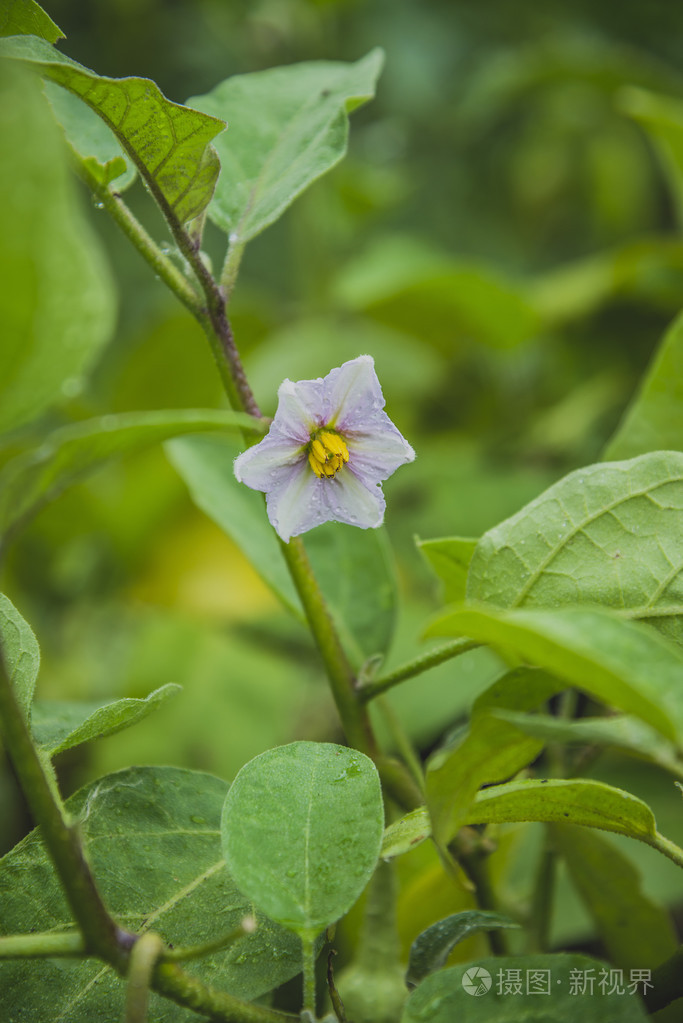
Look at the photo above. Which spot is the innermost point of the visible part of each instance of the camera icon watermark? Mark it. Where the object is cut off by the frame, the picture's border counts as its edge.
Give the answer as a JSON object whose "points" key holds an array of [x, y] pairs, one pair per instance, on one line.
{"points": [[476, 981]]}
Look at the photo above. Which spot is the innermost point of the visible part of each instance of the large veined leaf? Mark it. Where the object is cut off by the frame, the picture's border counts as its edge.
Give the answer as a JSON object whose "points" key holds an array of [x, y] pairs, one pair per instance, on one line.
{"points": [[152, 838], [168, 143], [302, 827], [362, 598], [60, 725], [39, 475], [21, 654], [654, 419], [532, 989], [609, 534], [637, 933], [287, 126], [56, 300], [25, 17]]}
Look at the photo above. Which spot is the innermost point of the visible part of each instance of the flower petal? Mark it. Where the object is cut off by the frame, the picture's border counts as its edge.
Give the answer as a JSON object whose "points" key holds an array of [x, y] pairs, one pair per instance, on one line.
{"points": [[268, 463], [296, 504], [299, 409], [352, 394], [375, 456]]}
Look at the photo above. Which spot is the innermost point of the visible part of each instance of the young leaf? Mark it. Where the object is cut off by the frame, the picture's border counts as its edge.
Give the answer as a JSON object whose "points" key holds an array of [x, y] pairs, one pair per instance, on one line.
{"points": [[622, 663], [540, 988], [25, 17], [406, 833], [302, 827], [288, 126], [90, 137], [152, 837], [654, 419], [637, 933], [450, 558], [168, 143], [57, 301], [608, 534], [40, 475], [59, 725], [575, 801], [20, 652], [362, 597], [431, 949]]}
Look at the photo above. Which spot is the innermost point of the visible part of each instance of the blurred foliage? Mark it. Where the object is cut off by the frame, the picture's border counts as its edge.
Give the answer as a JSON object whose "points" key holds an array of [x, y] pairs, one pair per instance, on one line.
{"points": [[503, 240]]}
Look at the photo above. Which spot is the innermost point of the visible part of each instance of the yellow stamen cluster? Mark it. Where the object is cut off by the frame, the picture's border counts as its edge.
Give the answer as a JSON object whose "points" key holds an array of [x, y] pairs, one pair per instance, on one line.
{"points": [[327, 454]]}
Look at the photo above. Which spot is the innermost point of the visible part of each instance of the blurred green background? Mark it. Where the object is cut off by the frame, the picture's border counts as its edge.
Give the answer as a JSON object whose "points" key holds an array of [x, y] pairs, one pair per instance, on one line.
{"points": [[501, 238]]}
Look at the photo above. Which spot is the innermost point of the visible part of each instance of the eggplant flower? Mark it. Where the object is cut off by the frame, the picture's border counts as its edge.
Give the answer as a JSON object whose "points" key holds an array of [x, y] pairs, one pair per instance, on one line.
{"points": [[328, 449]]}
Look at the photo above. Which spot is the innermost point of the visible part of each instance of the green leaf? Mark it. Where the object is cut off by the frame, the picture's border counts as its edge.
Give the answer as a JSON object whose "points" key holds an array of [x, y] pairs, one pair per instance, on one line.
{"points": [[40, 475], [152, 838], [607, 534], [57, 302], [302, 827], [61, 725], [622, 663], [168, 143], [637, 933], [431, 949], [90, 137], [25, 17], [406, 833], [654, 419], [576, 801], [491, 751], [621, 731], [450, 558], [288, 126], [20, 652], [362, 598], [452, 994]]}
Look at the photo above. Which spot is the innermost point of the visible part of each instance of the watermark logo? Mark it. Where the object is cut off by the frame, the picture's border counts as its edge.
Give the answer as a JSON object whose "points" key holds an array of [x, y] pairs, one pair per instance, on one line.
{"points": [[476, 981]]}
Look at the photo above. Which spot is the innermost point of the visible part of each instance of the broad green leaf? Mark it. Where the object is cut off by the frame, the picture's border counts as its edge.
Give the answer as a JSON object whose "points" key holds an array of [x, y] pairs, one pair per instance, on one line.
{"points": [[56, 301], [90, 137], [562, 989], [61, 725], [491, 751], [168, 143], [152, 838], [654, 419], [637, 933], [574, 801], [40, 475], [288, 126], [406, 833], [20, 652], [624, 664], [621, 731], [302, 827], [362, 597], [25, 17], [406, 284], [450, 558], [662, 118], [608, 534], [431, 949]]}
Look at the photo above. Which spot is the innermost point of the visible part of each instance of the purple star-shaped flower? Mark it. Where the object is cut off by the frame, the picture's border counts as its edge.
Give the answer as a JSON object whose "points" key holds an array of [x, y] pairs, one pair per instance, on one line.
{"points": [[328, 449]]}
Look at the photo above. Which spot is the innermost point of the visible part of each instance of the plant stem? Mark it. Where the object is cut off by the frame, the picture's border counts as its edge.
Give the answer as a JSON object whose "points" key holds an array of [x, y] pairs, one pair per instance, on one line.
{"points": [[231, 266], [667, 983], [162, 266], [542, 902], [197, 951], [342, 680], [61, 839], [666, 846], [308, 954], [373, 688], [185, 989], [33, 946], [472, 853], [145, 953]]}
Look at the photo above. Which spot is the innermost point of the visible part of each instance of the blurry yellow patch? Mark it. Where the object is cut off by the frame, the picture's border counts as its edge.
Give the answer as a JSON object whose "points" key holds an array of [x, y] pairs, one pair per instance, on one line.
{"points": [[327, 454]]}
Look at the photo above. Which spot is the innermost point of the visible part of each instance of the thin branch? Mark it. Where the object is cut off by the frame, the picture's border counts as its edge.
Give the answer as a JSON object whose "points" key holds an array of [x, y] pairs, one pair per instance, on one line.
{"points": [[35, 946], [373, 688]]}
